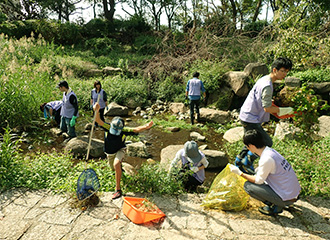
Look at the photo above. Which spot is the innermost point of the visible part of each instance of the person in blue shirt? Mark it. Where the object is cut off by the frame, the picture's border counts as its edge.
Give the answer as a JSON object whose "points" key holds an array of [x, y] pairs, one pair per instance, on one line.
{"points": [[194, 90]]}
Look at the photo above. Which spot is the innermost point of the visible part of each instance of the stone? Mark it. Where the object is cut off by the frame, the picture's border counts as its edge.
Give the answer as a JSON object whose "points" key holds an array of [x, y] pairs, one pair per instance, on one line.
{"points": [[177, 108], [234, 134], [238, 82], [197, 137], [93, 73], [217, 159], [292, 82], [56, 131], [116, 110], [216, 116], [173, 129], [285, 130], [256, 70], [79, 145], [324, 124], [129, 169], [168, 153], [137, 149], [320, 88]]}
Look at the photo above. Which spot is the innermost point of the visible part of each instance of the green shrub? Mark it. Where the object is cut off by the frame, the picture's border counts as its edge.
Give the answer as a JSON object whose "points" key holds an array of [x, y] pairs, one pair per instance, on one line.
{"points": [[314, 75], [254, 28]]}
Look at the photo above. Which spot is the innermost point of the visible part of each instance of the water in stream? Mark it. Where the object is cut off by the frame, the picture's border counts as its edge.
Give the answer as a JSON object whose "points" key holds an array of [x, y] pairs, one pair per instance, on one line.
{"points": [[44, 141]]}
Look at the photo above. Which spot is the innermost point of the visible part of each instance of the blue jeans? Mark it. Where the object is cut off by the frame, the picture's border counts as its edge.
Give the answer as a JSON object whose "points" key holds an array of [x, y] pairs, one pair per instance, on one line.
{"points": [[65, 127]]}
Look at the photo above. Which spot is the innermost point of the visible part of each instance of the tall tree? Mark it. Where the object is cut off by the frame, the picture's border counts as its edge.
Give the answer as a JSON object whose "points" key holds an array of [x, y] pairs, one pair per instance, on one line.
{"points": [[155, 8], [170, 7], [109, 9], [138, 7]]}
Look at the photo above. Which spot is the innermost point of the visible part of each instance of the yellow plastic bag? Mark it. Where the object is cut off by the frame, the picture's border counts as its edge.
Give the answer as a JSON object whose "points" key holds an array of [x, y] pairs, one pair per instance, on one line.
{"points": [[227, 192]]}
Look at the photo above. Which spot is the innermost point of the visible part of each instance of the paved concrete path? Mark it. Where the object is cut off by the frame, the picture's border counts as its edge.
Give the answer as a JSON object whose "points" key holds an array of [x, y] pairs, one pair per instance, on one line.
{"points": [[33, 215]]}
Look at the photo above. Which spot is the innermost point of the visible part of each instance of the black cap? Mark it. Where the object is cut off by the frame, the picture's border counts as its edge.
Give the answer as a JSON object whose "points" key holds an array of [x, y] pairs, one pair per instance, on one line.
{"points": [[63, 84]]}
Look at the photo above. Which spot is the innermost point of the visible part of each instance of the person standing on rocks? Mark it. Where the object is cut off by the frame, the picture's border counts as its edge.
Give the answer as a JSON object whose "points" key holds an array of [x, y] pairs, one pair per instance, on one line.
{"points": [[69, 110], [103, 101], [192, 160], [52, 110], [114, 143], [257, 108], [194, 90], [275, 182]]}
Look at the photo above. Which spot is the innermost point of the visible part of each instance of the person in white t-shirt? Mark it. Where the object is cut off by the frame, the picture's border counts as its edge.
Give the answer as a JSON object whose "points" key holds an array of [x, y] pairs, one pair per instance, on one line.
{"points": [[275, 182]]}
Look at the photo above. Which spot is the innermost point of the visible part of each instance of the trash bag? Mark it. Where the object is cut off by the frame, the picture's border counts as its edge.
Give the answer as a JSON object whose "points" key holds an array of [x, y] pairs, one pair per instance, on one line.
{"points": [[227, 192]]}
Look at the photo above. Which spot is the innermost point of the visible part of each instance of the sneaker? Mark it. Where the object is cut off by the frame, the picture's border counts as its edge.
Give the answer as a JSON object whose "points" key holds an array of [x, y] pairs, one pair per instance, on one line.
{"points": [[270, 210], [117, 194]]}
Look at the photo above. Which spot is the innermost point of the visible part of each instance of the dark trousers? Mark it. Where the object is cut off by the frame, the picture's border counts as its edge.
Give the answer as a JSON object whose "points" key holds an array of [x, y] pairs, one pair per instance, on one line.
{"points": [[194, 104], [57, 115], [190, 183]]}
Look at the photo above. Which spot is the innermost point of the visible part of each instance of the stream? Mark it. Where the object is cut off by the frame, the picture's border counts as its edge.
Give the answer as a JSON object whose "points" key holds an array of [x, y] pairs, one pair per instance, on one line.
{"points": [[43, 141]]}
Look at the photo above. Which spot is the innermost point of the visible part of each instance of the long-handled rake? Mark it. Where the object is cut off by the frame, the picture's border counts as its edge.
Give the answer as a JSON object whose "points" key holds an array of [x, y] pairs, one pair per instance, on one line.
{"points": [[88, 182]]}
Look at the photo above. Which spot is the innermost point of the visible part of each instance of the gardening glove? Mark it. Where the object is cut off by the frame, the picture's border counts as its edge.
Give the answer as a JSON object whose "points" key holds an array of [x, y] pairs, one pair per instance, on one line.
{"points": [[194, 169], [107, 108], [285, 111], [235, 169], [73, 121]]}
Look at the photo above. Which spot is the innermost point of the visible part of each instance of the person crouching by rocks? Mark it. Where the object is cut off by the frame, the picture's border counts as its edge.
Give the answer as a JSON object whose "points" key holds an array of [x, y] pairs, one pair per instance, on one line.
{"points": [[69, 110], [275, 182], [114, 143], [52, 110], [193, 162]]}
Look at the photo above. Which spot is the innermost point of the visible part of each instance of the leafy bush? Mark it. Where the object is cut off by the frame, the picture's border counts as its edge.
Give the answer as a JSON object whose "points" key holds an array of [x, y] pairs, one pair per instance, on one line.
{"points": [[101, 46], [307, 103], [254, 28], [314, 75]]}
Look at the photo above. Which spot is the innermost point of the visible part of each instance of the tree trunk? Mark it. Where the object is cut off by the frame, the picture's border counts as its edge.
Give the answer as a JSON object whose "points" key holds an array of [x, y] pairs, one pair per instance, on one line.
{"points": [[256, 13], [234, 13]]}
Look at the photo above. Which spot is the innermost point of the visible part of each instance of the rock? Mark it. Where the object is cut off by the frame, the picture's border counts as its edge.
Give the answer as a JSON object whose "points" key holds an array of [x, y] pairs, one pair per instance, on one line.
{"points": [[151, 161], [238, 82], [79, 145], [197, 137], [116, 110], [292, 82], [221, 98], [324, 124], [167, 154], [234, 134], [56, 131], [216, 116], [177, 108], [217, 159], [138, 149], [203, 147], [111, 70], [256, 70], [285, 130], [320, 88], [93, 73], [173, 129], [128, 169]]}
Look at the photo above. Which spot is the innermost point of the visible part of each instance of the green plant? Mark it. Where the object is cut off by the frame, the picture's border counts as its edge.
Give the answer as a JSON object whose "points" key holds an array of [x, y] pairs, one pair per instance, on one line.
{"points": [[307, 105], [314, 75]]}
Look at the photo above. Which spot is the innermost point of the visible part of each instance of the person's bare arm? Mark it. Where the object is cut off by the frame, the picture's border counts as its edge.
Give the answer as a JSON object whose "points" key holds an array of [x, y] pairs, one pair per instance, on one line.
{"points": [[96, 108], [143, 128], [272, 109]]}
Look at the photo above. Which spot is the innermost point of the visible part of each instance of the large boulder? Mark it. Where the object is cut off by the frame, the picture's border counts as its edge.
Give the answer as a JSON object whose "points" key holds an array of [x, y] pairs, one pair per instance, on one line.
{"points": [[216, 116], [320, 88], [167, 154], [256, 70], [238, 82], [177, 108], [116, 110], [137, 149], [285, 130], [93, 73], [292, 82], [217, 159], [234, 134], [222, 98], [79, 145], [324, 124]]}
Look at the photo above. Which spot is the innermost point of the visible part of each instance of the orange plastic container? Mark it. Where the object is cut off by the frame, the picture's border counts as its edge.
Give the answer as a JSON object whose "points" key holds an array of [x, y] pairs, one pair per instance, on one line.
{"points": [[137, 216]]}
